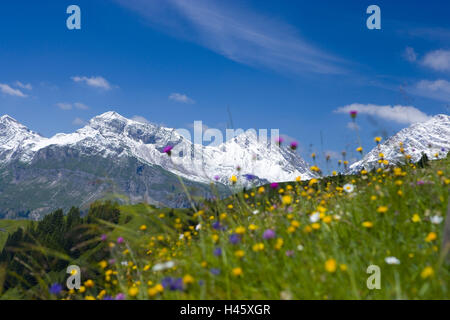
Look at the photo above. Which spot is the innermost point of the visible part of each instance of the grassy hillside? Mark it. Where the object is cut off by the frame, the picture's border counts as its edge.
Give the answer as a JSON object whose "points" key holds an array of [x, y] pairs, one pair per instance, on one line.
{"points": [[9, 226], [301, 240]]}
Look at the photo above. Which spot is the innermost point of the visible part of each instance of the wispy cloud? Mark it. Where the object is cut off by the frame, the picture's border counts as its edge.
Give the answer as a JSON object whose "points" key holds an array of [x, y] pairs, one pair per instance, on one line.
{"points": [[179, 97], [239, 34], [26, 86], [410, 54], [437, 89], [140, 119], [79, 122], [96, 82], [398, 113], [70, 106], [6, 89], [438, 60]]}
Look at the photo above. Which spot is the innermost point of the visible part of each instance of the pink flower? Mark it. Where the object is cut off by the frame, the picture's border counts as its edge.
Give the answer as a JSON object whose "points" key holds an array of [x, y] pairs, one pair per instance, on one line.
{"points": [[120, 240], [168, 150], [274, 185], [294, 145], [279, 141], [269, 234]]}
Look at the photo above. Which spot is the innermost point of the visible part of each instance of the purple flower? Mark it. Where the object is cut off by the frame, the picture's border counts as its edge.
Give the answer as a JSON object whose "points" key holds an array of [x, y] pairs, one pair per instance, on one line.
{"points": [[103, 237], [173, 284], [249, 177], [269, 234], [216, 177], [168, 150], [215, 271], [294, 145], [55, 288], [353, 114], [107, 298], [234, 238], [112, 261], [217, 252], [120, 240], [218, 226], [420, 182], [274, 185], [289, 253], [120, 296]]}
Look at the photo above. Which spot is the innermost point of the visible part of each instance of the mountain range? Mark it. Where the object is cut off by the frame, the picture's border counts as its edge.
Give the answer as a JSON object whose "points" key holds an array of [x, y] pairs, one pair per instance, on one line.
{"points": [[113, 156]]}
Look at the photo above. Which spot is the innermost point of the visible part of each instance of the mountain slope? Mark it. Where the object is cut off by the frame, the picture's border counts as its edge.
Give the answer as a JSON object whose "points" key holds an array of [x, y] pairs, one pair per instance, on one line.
{"points": [[431, 137], [113, 155]]}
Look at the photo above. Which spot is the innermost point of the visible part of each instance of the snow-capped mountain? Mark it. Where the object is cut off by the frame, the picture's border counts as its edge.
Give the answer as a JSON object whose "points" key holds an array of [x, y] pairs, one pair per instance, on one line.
{"points": [[431, 137], [113, 154]]}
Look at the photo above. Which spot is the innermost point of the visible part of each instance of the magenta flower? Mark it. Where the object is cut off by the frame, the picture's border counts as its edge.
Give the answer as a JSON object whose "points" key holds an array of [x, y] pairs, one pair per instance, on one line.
{"points": [[216, 177], [168, 150], [120, 296], [120, 240], [269, 234], [279, 141], [103, 237], [420, 182], [353, 114], [274, 185], [294, 145]]}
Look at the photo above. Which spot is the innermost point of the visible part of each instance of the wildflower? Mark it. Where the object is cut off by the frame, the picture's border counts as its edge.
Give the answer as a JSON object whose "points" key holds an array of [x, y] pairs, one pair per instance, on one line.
{"points": [[440, 173], [294, 145], [216, 177], [234, 238], [359, 149], [143, 227], [327, 219], [279, 244], [89, 298], [427, 272], [217, 226], [133, 291], [300, 247], [367, 224], [431, 237], [218, 252], [233, 179], [168, 150], [239, 253], [420, 182], [252, 227], [255, 212], [334, 173], [330, 265], [215, 271], [314, 217], [313, 155], [120, 296], [286, 200], [120, 240], [289, 253], [382, 209], [349, 188], [343, 267], [298, 179], [279, 141], [274, 185], [103, 264], [315, 226], [237, 272], [55, 289], [415, 218], [188, 279], [163, 266], [258, 247], [240, 230], [103, 237], [173, 284], [269, 234], [353, 114], [89, 283], [261, 190], [392, 260], [377, 139], [436, 219]]}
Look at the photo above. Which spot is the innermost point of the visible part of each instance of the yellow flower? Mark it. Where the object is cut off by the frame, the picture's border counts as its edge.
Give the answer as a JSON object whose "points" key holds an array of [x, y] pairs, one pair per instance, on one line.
{"points": [[237, 272], [298, 179], [312, 181], [82, 289], [431, 236], [240, 230], [233, 179], [258, 247], [427, 272], [159, 288], [252, 227], [133, 291], [373, 198], [382, 209], [327, 219], [239, 253], [334, 173], [315, 226], [415, 218], [204, 264], [377, 139], [215, 237], [330, 265], [367, 224], [188, 279], [295, 223], [152, 292], [143, 227], [359, 149], [440, 173], [146, 267], [89, 298], [343, 267], [230, 206], [89, 283], [261, 190], [279, 244], [286, 200], [381, 155], [103, 264]]}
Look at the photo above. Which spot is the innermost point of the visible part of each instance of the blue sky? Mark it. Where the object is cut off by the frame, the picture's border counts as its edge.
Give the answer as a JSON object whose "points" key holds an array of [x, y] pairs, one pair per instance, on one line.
{"points": [[275, 64]]}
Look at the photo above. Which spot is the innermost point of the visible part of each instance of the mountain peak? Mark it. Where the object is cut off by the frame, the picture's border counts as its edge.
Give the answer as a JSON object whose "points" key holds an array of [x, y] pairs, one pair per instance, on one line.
{"points": [[110, 115], [7, 118]]}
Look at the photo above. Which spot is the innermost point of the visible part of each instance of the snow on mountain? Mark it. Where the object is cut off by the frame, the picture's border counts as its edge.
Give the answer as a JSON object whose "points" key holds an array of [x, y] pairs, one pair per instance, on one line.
{"points": [[111, 135], [431, 137]]}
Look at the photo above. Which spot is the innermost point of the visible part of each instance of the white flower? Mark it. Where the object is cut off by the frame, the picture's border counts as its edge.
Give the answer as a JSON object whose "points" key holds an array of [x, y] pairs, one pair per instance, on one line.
{"points": [[392, 260], [255, 212], [198, 227], [349, 187], [181, 236], [300, 247], [436, 219], [124, 263], [163, 266], [314, 217]]}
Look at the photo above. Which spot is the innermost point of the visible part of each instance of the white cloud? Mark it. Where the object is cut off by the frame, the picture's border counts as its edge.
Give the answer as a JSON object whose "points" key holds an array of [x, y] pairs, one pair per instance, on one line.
{"points": [[96, 82], [23, 85], [6, 89], [438, 60], [438, 89], [179, 97], [140, 119], [70, 106], [80, 106], [240, 34], [410, 54], [78, 122], [400, 114]]}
